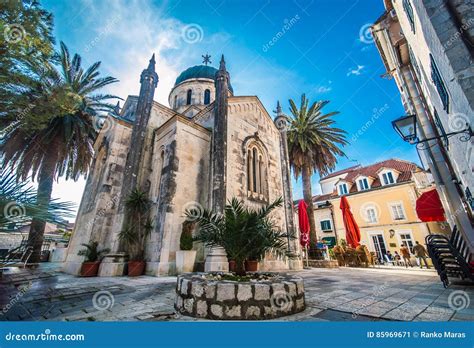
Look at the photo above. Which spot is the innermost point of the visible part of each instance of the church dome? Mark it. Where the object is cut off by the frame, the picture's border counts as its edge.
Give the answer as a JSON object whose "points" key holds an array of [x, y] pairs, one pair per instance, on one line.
{"points": [[196, 72]]}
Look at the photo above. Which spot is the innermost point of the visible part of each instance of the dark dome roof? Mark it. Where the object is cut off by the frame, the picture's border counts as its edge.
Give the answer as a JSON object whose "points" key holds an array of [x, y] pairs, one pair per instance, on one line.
{"points": [[198, 71]]}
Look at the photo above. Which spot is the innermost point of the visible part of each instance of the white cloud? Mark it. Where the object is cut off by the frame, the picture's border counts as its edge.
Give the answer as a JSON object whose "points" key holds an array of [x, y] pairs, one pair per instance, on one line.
{"points": [[138, 30], [355, 71]]}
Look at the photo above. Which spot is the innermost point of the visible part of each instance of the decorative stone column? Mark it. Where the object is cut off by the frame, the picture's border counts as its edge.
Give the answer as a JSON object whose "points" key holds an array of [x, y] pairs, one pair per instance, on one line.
{"points": [[281, 122], [217, 260]]}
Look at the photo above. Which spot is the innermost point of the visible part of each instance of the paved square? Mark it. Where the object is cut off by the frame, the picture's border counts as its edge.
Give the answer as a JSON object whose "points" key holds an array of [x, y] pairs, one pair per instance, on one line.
{"points": [[342, 294]]}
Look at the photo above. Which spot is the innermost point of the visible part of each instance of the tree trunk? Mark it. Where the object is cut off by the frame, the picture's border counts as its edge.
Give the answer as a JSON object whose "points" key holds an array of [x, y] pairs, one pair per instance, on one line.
{"points": [[308, 197], [45, 187], [239, 267]]}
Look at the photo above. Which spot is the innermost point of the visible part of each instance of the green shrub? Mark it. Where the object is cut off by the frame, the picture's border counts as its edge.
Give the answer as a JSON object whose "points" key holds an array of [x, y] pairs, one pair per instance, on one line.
{"points": [[92, 253], [243, 232]]}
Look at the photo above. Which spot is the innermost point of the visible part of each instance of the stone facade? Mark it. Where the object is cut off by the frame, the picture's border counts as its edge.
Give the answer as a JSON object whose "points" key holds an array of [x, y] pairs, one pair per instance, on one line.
{"points": [[190, 156], [199, 297], [427, 46]]}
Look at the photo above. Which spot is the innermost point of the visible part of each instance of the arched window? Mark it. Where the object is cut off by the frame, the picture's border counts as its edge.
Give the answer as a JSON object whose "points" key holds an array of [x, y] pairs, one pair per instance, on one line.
{"points": [[175, 101], [207, 96], [256, 173], [189, 96]]}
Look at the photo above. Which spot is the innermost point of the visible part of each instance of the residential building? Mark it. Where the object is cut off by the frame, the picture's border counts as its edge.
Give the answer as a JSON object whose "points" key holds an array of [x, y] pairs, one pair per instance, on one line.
{"points": [[427, 47], [382, 197]]}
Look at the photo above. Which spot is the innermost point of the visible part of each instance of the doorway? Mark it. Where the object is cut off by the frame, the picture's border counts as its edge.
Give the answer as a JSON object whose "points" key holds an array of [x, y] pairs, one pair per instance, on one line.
{"points": [[379, 245]]}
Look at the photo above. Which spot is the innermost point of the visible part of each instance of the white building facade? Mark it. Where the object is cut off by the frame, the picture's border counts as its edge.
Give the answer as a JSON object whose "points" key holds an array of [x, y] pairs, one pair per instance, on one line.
{"points": [[427, 47]]}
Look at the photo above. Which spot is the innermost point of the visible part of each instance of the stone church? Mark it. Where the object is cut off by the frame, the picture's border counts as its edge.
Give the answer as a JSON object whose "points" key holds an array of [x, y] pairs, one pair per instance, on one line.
{"points": [[206, 148]]}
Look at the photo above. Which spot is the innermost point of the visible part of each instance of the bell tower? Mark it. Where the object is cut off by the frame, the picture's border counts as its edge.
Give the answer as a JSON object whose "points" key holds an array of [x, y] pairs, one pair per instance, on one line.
{"points": [[219, 142], [217, 260], [149, 82]]}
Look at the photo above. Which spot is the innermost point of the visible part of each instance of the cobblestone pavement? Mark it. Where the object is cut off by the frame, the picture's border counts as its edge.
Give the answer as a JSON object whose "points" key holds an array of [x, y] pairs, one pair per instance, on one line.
{"points": [[342, 294]]}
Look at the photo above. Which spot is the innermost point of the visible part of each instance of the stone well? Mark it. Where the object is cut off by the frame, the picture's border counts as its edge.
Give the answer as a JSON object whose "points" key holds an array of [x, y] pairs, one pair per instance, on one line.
{"points": [[198, 296]]}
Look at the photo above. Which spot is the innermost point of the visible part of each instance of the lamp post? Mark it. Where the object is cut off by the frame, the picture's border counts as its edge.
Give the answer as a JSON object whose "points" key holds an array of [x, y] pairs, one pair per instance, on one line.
{"points": [[406, 127]]}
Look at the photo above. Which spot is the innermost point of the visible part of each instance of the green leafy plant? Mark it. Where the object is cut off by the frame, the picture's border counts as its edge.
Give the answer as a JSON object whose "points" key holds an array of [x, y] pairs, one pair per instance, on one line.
{"points": [[92, 253], [138, 224], [18, 204], [186, 239], [243, 232]]}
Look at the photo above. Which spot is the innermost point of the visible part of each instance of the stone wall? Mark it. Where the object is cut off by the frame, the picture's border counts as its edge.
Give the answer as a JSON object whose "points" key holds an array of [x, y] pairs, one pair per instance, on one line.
{"points": [[199, 297], [98, 209], [436, 33], [248, 121], [182, 184]]}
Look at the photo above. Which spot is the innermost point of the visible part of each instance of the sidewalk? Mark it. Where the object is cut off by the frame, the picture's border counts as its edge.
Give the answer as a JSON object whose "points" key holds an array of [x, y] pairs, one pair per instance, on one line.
{"points": [[341, 294]]}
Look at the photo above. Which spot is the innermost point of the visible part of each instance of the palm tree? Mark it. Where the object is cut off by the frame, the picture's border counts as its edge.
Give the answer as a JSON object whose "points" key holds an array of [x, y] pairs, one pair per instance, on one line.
{"points": [[18, 204], [62, 145], [313, 145]]}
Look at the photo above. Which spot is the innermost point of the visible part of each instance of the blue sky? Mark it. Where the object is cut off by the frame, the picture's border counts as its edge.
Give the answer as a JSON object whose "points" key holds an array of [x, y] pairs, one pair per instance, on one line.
{"points": [[319, 47]]}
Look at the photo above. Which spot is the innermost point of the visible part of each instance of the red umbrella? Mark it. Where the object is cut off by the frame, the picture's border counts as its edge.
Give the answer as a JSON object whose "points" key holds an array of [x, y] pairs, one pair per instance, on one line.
{"points": [[429, 207], [352, 230], [304, 223]]}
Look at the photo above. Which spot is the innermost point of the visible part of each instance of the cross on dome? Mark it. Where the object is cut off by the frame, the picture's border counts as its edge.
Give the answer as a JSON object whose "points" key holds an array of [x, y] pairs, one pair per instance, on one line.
{"points": [[206, 59]]}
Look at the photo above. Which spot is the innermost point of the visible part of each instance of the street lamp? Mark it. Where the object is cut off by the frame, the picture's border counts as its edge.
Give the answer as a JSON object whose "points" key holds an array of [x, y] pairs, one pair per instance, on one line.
{"points": [[406, 127]]}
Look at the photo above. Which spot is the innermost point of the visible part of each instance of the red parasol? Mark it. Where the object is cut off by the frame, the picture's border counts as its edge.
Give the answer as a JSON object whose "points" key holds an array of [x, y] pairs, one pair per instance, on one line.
{"points": [[303, 223], [429, 207], [352, 230]]}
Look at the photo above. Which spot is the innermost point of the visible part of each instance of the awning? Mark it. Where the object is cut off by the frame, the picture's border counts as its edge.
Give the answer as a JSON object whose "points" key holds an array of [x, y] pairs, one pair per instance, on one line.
{"points": [[429, 207]]}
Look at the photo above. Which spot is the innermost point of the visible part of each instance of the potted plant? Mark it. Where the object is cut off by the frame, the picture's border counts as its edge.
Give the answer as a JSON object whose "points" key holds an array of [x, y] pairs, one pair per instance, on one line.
{"points": [[136, 231], [185, 257], [93, 255], [243, 232]]}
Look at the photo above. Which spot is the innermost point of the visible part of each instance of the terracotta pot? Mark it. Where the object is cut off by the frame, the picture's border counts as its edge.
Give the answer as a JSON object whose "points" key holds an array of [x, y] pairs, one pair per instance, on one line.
{"points": [[136, 268], [90, 269], [231, 266], [251, 266]]}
